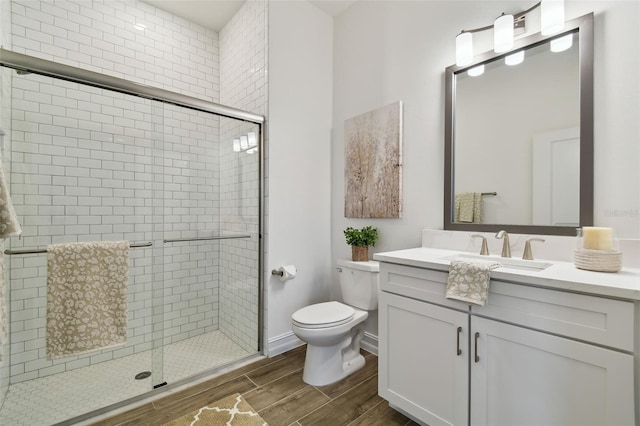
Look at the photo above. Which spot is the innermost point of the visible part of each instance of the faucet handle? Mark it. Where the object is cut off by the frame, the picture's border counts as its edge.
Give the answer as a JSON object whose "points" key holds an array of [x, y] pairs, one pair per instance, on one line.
{"points": [[484, 251], [528, 253]]}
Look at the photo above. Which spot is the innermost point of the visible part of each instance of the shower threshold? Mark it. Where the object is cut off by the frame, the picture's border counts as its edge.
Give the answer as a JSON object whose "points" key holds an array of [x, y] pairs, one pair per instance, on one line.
{"points": [[60, 397]]}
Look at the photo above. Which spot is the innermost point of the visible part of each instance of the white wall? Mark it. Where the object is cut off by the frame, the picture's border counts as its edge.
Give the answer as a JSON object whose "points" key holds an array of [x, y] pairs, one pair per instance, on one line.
{"points": [[299, 125], [389, 51]]}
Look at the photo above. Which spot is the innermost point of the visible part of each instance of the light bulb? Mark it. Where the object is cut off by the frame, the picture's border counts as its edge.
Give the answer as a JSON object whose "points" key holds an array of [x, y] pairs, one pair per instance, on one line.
{"points": [[464, 49], [244, 143], [515, 58], [551, 16], [476, 71], [236, 145], [252, 138], [562, 43], [503, 33]]}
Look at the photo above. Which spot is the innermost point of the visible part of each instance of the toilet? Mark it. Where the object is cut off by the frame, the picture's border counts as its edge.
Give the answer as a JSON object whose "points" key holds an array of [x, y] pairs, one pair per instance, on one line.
{"points": [[333, 330]]}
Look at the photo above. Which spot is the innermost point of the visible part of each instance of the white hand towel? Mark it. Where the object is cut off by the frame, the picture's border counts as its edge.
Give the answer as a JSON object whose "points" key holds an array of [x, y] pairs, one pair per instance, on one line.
{"points": [[469, 281]]}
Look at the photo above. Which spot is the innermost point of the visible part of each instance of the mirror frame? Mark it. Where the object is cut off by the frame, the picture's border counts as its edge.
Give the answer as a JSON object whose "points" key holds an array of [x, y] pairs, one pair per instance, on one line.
{"points": [[584, 27]]}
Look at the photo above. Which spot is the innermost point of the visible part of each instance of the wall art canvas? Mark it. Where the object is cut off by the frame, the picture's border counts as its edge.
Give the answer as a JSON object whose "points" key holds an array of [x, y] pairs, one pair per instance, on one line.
{"points": [[373, 164]]}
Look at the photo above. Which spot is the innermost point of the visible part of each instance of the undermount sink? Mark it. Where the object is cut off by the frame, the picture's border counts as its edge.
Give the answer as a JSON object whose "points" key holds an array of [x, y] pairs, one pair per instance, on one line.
{"points": [[505, 262]]}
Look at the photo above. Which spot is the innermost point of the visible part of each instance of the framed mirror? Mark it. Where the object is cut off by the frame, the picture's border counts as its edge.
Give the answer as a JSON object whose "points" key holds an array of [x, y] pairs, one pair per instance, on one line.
{"points": [[519, 136]]}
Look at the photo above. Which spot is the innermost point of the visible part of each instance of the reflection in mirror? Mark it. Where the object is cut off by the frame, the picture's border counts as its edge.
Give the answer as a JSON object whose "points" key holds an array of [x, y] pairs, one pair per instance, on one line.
{"points": [[519, 137], [524, 101]]}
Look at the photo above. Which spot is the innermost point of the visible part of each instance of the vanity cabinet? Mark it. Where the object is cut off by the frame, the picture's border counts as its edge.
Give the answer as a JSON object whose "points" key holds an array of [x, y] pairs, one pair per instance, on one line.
{"points": [[530, 356], [525, 377], [423, 359]]}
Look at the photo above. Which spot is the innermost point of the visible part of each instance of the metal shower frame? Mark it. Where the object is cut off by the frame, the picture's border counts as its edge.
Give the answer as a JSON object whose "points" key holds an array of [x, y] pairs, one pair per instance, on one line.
{"points": [[31, 64]]}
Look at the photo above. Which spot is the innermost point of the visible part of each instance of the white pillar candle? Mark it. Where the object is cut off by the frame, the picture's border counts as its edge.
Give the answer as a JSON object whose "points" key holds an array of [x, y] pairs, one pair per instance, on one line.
{"points": [[597, 238]]}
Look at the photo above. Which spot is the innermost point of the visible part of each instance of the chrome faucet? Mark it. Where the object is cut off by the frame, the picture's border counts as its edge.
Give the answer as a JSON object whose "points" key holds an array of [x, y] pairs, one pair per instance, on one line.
{"points": [[506, 249]]}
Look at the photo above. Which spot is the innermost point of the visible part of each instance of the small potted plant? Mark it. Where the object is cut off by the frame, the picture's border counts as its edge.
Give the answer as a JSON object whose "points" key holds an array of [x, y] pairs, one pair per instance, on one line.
{"points": [[360, 240]]}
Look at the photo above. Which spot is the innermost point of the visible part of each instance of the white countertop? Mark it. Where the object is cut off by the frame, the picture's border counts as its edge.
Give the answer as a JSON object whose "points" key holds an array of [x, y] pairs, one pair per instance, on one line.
{"points": [[560, 275]]}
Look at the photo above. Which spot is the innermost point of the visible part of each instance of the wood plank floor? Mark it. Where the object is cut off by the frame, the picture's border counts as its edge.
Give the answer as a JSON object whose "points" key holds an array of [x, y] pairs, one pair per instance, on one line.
{"points": [[274, 388]]}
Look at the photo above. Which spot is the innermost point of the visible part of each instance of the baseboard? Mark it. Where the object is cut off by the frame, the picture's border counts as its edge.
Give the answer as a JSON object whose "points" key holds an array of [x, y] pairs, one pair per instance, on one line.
{"points": [[370, 343], [283, 343], [287, 341]]}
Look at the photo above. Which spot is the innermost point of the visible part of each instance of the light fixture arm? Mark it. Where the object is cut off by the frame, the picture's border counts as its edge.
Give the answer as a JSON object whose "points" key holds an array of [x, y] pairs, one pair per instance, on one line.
{"points": [[516, 17]]}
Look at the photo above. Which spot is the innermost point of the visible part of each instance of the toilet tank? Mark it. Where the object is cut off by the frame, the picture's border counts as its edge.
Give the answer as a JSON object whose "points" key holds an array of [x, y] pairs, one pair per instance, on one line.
{"points": [[359, 283]]}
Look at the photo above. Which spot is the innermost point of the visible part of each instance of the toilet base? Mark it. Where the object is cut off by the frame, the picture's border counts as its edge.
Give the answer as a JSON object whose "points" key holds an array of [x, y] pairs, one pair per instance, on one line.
{"points": [[324, 365]]}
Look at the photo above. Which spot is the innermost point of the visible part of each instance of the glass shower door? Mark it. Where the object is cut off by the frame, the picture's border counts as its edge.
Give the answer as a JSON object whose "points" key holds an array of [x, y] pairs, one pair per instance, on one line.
{"points": [[81, 168], [211, 210], [180, 184]]}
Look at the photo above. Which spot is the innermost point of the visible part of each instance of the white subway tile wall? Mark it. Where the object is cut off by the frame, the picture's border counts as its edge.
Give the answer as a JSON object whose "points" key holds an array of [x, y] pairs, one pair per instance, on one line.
{"points": [[127, 39], [89, 164], [243, 84], [151, 176]]}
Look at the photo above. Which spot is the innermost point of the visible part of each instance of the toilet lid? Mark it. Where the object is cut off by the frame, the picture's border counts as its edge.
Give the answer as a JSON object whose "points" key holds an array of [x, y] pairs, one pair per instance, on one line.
{"points": [[320, 315]]}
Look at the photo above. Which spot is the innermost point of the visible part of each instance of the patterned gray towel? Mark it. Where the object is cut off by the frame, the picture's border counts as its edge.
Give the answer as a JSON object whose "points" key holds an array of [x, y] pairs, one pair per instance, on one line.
{"points": [[9, 227], [86, 296], [469, 281]]}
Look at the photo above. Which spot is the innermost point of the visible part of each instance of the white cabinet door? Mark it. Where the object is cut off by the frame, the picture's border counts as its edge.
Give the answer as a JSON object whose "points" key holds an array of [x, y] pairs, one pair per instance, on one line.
{"points": [[423, 360], [524, 377]]}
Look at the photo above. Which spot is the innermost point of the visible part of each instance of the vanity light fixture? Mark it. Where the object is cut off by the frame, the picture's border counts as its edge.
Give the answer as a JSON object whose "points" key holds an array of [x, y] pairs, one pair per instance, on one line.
{"points": [[246, 143], [253, 143], [251, 137], [476, 71], [503, 33], [561, 44], [551, 16], [551, 21], [514, 58], [464, 49]]}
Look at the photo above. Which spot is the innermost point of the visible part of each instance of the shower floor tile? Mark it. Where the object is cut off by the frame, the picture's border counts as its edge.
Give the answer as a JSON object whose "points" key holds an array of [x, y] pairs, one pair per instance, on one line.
{"points": [[58, 397]]}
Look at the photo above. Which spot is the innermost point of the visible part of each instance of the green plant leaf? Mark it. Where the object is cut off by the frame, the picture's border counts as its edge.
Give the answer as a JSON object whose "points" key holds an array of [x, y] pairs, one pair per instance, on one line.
{"points": [[366, 236]]}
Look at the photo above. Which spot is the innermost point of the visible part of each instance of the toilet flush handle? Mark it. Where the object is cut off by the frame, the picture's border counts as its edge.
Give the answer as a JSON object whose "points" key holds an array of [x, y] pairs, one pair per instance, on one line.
{"points": [[339, 269]]}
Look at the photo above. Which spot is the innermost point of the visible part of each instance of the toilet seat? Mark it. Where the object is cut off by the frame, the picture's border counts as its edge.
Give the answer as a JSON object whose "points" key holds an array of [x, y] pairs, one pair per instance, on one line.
{"points": [[323, 315]]}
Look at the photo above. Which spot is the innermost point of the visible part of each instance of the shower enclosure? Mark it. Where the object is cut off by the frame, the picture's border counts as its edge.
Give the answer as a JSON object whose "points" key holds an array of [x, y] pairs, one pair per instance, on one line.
{"points": [[92, 158]]}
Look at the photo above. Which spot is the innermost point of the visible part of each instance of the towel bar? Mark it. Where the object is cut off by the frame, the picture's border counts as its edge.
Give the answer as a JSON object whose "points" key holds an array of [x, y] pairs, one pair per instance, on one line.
{"points": [[219, 237], [35, 251]]}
